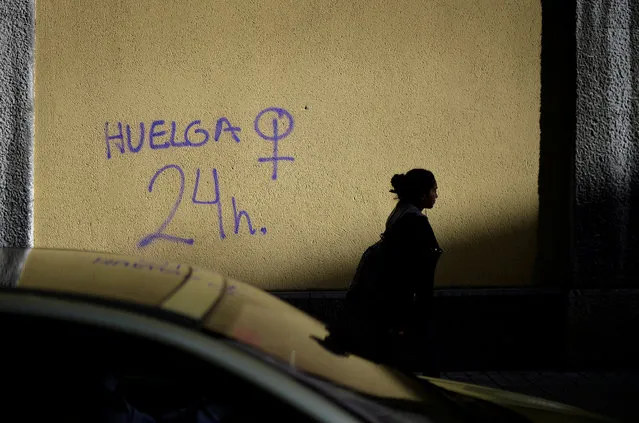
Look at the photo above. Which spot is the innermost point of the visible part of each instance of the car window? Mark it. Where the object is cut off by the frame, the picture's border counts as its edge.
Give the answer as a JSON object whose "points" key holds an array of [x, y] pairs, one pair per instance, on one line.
{"points": [[63, 371]]}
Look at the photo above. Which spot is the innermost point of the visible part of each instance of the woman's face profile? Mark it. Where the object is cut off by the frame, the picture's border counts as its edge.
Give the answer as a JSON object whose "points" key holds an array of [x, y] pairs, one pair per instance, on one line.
{"points": [[430, 197]]}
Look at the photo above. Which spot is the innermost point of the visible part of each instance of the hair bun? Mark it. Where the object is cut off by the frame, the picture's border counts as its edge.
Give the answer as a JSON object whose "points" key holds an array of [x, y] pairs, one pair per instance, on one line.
{"points": [[398, 182]]}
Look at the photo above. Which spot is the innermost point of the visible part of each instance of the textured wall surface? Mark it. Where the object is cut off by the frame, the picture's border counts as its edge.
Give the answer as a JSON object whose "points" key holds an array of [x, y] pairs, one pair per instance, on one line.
{"points": [[607, 150], [16, 118], [374, 89]]}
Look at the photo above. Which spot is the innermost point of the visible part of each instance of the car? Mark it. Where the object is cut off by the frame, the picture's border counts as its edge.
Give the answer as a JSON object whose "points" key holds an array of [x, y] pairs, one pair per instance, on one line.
{"points": [[92, 336]]}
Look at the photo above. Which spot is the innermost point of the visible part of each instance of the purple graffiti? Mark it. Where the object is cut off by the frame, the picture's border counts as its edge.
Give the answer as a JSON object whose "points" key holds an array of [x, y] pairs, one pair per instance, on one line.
{"points": [[163, 135], [229, 128], [128, 138], [153, 134], [119, 136], [271, 124], [200, 131], [216, 201], [262, 117], [238, 218], [159, 233]]}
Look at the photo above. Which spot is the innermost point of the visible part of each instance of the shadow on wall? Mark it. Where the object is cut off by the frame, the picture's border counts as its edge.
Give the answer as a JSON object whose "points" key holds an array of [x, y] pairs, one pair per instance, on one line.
{"points": [[504, 258], [607, 242]]}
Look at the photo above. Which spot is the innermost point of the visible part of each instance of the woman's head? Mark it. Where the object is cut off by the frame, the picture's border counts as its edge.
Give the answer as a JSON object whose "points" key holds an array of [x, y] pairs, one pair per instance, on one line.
{"points": [[417, 186]]}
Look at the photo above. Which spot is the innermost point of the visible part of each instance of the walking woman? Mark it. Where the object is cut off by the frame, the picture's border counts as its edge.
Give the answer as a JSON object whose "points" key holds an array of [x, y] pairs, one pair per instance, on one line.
{"points": [[389, 301]]}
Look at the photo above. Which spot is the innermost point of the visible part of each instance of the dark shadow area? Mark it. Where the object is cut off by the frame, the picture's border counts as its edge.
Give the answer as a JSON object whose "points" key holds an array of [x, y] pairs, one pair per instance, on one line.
{"points": [[74, 372], [518, 328], [557, 144], [607, 253], [601, 329], [477, 328], [501, 258], [609, 393]]}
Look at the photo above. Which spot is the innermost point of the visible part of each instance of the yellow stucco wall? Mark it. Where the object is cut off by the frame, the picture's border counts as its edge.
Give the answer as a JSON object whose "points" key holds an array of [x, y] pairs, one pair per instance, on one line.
{"points": [[370, 88]]}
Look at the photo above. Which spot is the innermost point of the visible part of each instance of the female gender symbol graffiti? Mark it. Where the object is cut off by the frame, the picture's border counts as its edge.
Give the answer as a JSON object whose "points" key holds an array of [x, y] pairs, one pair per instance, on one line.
{"points": [[282, 114]]}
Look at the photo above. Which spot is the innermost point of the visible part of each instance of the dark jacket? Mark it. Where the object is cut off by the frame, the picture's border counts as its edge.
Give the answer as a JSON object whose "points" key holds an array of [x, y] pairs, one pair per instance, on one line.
{"points": [[393, 283]]}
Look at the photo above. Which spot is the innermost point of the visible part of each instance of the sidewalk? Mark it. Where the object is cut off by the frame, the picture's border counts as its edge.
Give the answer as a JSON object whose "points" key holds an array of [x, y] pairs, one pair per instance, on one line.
{"points": [[611, 393]]}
